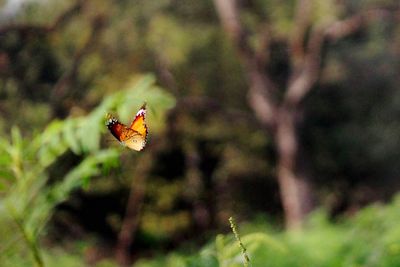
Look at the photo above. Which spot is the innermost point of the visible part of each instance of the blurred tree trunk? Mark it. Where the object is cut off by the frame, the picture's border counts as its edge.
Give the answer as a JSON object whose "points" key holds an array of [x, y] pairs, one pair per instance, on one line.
{"points": [[295, 188], [130, 222], [281, 113]]}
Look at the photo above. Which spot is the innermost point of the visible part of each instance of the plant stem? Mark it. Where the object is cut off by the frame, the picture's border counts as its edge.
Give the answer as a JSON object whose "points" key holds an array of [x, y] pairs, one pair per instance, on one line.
{"points": [[29, 241], [246, 259]]}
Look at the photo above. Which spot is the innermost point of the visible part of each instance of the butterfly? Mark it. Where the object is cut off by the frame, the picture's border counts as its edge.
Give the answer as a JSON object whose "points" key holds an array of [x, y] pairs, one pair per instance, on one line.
{"points": [[134, 136]]}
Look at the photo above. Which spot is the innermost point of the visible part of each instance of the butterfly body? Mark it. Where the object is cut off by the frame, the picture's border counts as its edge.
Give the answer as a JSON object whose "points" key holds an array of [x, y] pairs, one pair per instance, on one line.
{"points": [[133, 137]]}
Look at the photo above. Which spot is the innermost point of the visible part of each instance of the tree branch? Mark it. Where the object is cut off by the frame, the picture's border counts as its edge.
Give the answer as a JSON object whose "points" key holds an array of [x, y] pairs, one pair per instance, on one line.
{"points": [[305, 74], [342, 28], [60, 22], [130, 222], [60, 88], [67, 15], [229, 16], [262, 89], [299, 33]]}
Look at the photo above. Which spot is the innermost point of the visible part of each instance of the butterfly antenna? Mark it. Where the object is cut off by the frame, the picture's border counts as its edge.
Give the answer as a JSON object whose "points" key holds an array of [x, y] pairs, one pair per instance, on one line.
{"points": [[144, 105]]}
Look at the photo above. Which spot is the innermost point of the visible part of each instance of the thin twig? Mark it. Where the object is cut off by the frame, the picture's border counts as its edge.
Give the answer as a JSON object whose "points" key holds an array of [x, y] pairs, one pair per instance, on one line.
{"points": [[246, 259]]}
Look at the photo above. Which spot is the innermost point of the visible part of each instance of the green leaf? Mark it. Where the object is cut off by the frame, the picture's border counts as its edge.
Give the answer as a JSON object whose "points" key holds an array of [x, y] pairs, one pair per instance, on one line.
{"points": [[70, 136]]}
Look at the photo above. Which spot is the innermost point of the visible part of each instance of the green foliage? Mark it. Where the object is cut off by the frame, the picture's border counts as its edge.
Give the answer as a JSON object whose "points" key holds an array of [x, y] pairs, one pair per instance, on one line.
{"points": [[371, 238], [183, 43], [27, 197]]}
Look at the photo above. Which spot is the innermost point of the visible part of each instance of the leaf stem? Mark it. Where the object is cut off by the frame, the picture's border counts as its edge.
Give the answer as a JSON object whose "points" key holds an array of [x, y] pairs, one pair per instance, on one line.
{"points": [[29, 241], [246, 259]]}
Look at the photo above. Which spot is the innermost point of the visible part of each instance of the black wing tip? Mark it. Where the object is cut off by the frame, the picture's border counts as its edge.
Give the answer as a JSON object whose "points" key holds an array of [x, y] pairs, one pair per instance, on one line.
{"points": [[111, 121]]}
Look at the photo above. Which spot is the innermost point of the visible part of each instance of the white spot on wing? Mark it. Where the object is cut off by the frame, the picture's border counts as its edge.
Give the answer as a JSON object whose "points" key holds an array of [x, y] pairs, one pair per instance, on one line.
{"points": [[141, 112]]}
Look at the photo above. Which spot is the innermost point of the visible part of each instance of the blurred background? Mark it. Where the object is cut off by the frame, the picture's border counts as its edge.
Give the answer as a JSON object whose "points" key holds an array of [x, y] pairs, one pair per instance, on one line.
{"points": [[282, 114]]}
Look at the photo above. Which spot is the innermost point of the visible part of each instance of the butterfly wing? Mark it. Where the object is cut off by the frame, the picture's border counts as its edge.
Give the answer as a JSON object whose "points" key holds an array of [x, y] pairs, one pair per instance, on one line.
{"points": [[136, 142], [116, 128], [139, 123], [133, 137]]}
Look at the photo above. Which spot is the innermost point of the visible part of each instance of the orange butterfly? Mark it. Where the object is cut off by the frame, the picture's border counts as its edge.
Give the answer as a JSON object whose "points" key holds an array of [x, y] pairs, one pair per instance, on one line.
{"points": [[135, 136]]}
